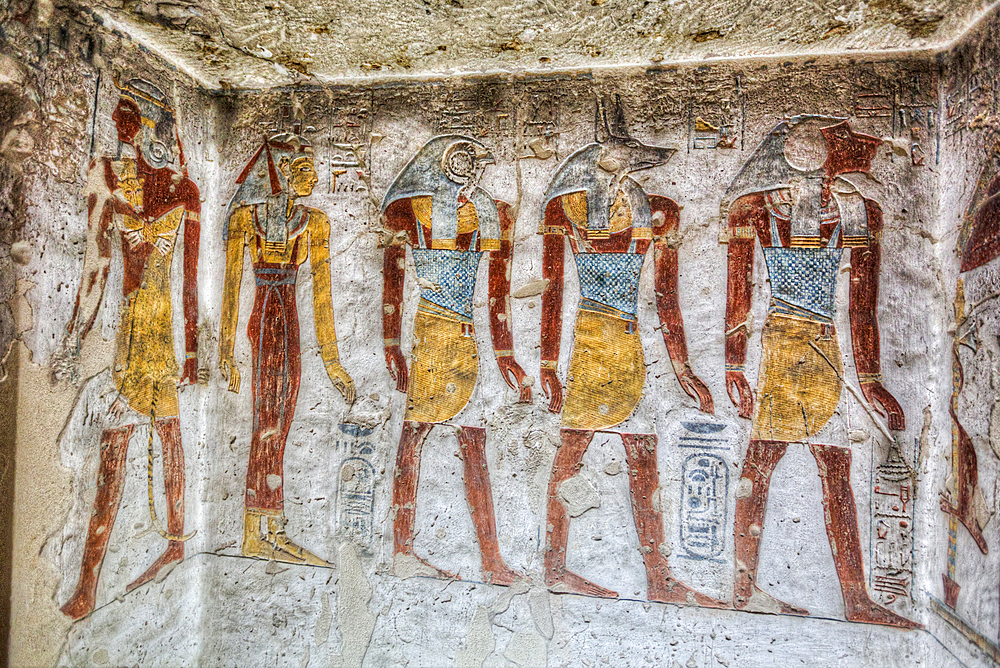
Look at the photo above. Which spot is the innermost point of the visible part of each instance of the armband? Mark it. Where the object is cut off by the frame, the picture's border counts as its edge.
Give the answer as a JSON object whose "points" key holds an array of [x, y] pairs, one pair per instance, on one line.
{"points": [[730, 233], [329, 353], [736, 330]]}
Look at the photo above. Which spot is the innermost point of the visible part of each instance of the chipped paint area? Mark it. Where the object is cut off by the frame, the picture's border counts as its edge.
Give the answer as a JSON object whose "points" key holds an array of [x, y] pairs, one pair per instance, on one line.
{"points": [[683, 365], [231, 43]]}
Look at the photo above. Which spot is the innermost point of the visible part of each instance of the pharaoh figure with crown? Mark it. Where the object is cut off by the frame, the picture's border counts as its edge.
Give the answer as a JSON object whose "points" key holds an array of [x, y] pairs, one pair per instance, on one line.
{"points": [[141, 204]]}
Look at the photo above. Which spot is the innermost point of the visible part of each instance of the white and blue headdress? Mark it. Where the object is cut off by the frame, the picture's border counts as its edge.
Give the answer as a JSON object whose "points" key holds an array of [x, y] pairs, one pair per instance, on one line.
{"points": [[158, 125], [443, 169], [263, 186]]}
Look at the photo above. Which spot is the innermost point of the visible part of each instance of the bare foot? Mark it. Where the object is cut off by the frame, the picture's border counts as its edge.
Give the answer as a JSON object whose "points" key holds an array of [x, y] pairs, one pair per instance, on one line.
{"points": [[80, 605], [867, 611], [765, 603], [500, 574], [173, 554], [407, 565], [571, 583], [674, 591]]}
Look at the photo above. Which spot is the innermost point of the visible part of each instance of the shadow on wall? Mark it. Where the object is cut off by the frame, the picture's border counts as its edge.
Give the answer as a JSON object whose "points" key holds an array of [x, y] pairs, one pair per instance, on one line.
{"points": [[15, 145]]}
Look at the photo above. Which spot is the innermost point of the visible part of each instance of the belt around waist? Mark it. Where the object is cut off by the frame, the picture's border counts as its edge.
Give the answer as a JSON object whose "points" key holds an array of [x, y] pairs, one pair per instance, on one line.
{"points": [[275, 275], [430, 308], [780, 307], [587, 304]]}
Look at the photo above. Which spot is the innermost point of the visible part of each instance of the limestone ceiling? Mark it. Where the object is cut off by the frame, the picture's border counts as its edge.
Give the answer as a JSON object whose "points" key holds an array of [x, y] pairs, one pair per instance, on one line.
{"points": [[263, 43]]}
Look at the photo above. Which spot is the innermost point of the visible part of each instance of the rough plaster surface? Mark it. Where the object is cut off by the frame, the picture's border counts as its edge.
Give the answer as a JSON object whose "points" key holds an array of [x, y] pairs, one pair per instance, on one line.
{"points": [[251, 44], [218, 608]]}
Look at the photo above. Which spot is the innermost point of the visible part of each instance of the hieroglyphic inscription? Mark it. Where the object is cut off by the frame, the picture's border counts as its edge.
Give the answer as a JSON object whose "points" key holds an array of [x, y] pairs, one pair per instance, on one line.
{"points": [[539, 130], [356, 482], [703, 506], [715, 116], [873, 105], [715, 119], [665, 108], [349, 142], [704, 491], [483, 111], [892, 528], [917, 117], [957, 102], [905, 108], [708, 105]]}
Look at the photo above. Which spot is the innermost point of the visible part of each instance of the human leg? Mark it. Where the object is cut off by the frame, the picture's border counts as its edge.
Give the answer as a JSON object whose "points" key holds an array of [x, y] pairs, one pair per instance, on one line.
{"points": [[841, 516], [567, 463], [644, 480], [404, 502], [110, 479], [479, 494], [751, 506], [173, 486]]}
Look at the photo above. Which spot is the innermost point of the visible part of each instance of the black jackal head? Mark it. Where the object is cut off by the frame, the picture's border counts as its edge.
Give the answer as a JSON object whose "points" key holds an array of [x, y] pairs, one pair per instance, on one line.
{"points": [[620, 151]]}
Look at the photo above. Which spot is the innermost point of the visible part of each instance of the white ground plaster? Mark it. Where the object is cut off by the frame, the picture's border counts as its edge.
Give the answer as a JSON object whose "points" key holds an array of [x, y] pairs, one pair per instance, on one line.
{"points": [[218, 608]]}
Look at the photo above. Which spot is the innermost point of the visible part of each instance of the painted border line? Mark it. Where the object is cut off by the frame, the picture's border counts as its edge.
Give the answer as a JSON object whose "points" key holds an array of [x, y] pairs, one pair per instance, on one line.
{"points": [[963, 627]]}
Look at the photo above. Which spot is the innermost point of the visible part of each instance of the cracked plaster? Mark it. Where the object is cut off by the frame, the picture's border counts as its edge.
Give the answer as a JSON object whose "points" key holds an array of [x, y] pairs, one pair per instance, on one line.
{"points": [[199, 611], [242, 44]]}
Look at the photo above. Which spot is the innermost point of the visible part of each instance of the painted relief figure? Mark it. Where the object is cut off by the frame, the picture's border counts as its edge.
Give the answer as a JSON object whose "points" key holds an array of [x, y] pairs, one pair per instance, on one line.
{"points": [[791, 197], [610, 223], [436, 207], [142, 204], [978, 245], [280, 234]]}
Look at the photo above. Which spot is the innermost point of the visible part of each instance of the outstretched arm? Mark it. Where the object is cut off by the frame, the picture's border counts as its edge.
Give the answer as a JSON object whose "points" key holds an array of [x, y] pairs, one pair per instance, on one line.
{"points": [[553, 257], [667, 304], [500, 331], [326, 333], [239, 225], [865, 264], [192, 239], [743, 215]]}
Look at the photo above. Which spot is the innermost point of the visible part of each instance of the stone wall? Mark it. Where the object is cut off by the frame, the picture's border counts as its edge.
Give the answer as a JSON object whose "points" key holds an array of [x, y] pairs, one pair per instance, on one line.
{"points": [[968, 477], [467, 570]]}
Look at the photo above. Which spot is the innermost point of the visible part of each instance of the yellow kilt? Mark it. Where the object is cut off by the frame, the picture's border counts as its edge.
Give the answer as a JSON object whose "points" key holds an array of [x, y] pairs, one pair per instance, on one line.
{"points": [[606, 373], [799, 390], [145, 368], [445, 367]]}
